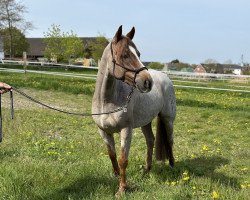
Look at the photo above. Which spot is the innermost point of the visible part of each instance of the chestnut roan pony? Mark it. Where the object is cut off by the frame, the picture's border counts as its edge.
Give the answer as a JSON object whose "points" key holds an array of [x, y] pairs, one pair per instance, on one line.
{"points": [[120, 70]]}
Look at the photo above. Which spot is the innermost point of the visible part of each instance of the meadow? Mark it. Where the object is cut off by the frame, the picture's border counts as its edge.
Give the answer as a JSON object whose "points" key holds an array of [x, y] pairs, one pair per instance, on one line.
{"points": [[50, 155]]}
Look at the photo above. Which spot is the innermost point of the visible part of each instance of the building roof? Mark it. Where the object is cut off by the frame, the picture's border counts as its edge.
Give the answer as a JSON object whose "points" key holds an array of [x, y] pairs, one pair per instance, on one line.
{"points": [[37, 45], [200, 69]]}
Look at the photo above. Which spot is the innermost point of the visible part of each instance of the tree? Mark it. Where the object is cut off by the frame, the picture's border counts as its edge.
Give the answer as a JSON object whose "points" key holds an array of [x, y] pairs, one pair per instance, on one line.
{"points": [[210, 61], [97, 46], [19, 42], [155, 65], [175, 61], [72, 45], [11, 16], [229, 62], [62, 46]]}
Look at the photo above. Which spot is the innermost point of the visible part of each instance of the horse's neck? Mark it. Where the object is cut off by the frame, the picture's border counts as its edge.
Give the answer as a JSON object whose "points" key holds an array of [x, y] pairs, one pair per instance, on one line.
{"points": [[105, 83]]}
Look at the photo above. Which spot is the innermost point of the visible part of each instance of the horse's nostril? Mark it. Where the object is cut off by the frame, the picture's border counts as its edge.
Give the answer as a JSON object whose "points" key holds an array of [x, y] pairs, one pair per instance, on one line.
{"points": [[147, 84]]}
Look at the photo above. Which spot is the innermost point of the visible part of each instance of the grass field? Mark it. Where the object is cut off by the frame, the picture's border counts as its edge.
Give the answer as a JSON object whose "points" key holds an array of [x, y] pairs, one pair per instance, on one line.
{"points": [[49, 155]]}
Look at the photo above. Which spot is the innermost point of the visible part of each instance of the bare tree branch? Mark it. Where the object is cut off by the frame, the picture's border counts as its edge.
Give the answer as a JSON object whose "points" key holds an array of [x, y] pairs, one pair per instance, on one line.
{"points": [[11, 16]]}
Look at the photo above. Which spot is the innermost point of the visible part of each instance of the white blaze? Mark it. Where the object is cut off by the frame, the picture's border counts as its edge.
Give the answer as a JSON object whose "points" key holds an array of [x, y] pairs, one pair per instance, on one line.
{"points": [[132, 49]]}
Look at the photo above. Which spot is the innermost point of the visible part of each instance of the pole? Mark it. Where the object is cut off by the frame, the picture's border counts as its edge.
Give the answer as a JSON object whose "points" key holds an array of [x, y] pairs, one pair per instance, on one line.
{"points": [[24, 61], [1, 128]]}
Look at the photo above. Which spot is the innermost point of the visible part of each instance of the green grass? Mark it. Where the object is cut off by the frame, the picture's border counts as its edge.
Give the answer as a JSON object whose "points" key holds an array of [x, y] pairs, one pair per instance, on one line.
{"points": [[49, 155]]}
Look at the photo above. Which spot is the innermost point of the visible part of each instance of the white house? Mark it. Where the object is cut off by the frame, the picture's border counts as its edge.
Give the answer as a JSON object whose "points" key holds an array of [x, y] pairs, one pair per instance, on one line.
{"points": [[237, 71]]}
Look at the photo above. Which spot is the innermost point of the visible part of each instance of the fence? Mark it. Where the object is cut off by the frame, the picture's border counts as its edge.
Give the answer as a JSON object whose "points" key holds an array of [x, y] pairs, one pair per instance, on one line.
{"points": [[186, 77]]}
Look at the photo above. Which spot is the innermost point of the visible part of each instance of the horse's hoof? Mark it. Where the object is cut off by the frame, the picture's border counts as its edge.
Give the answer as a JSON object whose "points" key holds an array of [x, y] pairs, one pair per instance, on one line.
{"points": [[114, 175], [120, 193], [171, 163], [146, 169]]}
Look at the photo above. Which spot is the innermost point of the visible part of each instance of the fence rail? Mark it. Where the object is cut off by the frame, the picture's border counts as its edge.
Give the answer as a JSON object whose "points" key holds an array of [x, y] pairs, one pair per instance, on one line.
{"points": [[93, 77], [207, 76], [172, 74], [46, 64]]}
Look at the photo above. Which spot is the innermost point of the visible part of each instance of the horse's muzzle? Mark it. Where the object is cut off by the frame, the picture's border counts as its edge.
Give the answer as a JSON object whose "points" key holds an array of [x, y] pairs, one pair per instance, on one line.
{"points": [[144, 82]]}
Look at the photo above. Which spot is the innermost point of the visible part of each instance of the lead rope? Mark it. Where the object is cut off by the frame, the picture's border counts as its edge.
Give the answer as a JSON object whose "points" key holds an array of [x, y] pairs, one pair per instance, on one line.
{"points": [[124, 107]]}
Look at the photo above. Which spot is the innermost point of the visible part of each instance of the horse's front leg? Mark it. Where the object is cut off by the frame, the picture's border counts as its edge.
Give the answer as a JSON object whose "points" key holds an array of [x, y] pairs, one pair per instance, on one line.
{"points": [[126, 136], [110, 142]]}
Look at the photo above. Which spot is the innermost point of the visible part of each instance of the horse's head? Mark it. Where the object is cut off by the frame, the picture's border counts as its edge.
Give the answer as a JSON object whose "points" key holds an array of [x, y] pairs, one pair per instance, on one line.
{"points": [[126, 64]]}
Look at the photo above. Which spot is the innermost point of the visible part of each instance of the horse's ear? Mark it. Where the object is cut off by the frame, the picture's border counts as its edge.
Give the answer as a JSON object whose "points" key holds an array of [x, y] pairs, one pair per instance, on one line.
{"points": [[131, 33], [118, 35]]}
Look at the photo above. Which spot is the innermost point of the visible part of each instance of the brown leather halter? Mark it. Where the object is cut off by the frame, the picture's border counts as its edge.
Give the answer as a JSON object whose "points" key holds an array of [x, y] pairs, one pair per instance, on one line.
{"points": [[136, 71]]}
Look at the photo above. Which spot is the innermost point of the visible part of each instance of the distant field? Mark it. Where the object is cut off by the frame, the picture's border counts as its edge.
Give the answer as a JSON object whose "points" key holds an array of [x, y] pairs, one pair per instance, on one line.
{"points": [[49, 155]]}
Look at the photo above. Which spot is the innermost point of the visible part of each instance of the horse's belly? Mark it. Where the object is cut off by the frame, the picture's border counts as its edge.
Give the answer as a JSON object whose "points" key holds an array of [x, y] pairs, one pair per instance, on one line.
{"points": [[144, 117], [146, 109]]}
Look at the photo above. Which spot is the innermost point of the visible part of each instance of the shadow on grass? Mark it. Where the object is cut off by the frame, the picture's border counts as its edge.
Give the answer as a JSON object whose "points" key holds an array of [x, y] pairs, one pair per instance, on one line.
{"points": [[199, 167], [85, 188], [8, 153], [88, 186], [202, 104]]}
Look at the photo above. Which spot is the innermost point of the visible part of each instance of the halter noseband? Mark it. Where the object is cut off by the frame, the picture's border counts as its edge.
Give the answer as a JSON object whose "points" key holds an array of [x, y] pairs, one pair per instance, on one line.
{"points": [[136, 71]]}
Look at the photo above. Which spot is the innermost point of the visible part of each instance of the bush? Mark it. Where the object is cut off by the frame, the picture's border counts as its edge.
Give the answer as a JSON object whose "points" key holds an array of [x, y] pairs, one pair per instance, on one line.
{"points": [[156, 65]]}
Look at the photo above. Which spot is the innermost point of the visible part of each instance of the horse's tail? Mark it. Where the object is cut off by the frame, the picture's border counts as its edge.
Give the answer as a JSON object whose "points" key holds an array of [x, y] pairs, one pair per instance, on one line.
{"points": [[164, 141]]}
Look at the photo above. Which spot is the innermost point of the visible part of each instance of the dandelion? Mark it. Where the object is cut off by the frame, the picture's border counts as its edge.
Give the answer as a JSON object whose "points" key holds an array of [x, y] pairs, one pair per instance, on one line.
{"points": [[215, 195], [186, 178], [173, 183], [185, 173], [217, 141], [205, 148], [242, 186], [244, 169]]}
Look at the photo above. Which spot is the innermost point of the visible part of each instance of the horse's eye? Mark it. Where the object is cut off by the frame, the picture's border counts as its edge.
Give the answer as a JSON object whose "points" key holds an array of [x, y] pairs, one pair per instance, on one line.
{"points": [[125, 56]]}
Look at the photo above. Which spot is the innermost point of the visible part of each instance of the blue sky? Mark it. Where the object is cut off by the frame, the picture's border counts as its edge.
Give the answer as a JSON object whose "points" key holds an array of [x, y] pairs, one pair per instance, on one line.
{"points": [[189, 30]]}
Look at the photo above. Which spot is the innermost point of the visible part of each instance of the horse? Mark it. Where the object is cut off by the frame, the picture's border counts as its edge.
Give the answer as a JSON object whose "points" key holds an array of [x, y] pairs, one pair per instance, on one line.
{"points": [[121, 73]]}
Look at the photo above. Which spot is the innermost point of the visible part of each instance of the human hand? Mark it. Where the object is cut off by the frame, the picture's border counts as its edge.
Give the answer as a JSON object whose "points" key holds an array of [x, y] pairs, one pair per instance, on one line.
{"points": [[4, 88]]}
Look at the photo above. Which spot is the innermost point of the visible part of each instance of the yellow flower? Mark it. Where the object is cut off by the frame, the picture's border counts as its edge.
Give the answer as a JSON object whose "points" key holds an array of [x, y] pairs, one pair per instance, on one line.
{"points": [[185, 173], [205, 148], [186, 178], [242, 186], [215, 195], [173, 183]]}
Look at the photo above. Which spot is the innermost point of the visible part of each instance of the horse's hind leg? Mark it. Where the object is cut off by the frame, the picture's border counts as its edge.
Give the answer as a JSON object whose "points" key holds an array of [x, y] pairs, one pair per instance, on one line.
{"points": [[164, 140], [149, 136], [169, 125], [110, 142]]}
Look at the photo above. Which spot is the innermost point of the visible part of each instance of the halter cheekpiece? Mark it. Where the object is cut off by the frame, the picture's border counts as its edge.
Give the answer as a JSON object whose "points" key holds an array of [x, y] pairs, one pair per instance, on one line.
{"points": [[136, 71]]}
